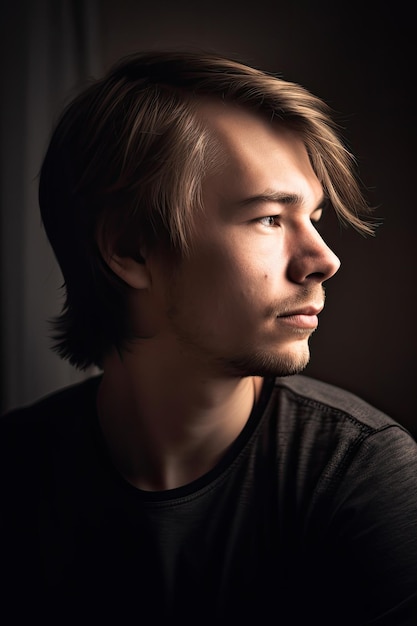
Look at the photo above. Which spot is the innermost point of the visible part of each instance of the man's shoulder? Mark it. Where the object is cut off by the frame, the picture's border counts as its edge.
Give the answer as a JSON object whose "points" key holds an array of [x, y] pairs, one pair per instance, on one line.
{"points": [[328, 400], [69, 401], [334, 429], [48, 434]]}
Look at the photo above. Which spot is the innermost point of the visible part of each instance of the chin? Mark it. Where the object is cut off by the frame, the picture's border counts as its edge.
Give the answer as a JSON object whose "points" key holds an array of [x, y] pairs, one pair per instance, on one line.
{"points": [[268, 363]]}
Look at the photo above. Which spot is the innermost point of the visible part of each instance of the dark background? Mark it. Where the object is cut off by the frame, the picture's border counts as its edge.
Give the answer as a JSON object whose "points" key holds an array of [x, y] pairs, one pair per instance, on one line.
{"points": [[360, 59]]}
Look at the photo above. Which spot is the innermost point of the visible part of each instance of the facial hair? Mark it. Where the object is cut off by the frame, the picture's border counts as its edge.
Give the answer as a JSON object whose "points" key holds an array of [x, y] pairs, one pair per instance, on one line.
{"points": [[249, 360], [266, 364]]}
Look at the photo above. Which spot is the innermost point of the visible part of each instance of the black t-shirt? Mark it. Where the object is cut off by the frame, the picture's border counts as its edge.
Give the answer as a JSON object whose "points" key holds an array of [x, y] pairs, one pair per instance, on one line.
{"points": [[309, 518]]}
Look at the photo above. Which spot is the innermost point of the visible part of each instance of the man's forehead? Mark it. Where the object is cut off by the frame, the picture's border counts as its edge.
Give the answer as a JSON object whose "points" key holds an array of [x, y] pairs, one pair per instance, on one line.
{"points": [[242, 132], [254, 154]]}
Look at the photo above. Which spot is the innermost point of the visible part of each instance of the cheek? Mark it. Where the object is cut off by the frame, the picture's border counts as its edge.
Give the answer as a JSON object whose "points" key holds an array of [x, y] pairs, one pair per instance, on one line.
{"points": [[233, 271], [213, 287]]}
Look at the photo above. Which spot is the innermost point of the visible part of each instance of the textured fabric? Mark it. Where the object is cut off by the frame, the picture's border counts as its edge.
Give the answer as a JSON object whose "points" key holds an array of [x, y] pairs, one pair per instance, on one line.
{"points": [[310, 518]]}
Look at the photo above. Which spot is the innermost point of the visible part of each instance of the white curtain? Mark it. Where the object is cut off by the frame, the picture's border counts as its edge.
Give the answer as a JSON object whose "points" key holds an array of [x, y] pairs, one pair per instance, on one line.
{"points": [[48, 48]]}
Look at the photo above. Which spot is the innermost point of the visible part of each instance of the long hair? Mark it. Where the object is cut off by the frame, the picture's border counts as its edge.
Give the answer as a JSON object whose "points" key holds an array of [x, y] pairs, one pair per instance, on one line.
{"points": [[129, 155]]}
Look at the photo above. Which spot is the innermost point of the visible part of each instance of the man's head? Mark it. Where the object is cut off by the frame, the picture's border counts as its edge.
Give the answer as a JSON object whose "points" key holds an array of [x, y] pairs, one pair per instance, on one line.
{"points": [[126, 169]]}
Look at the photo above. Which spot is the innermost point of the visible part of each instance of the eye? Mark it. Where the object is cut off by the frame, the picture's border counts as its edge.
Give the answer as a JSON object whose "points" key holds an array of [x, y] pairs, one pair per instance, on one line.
{"points": [[268, 220], [317, 216]]}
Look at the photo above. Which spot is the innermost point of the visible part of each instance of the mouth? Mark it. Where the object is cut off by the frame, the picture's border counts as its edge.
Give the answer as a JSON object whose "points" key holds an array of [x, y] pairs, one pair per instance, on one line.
{"points": [[305, 317]]}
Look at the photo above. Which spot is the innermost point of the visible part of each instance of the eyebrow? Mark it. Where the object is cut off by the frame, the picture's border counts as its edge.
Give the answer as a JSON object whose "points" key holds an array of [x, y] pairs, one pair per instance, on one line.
{"points": [[281, 197]]}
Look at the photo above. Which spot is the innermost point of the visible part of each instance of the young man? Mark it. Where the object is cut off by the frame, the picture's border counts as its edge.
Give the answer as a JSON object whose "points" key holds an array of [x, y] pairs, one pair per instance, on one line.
{"points": [[201, 478]]}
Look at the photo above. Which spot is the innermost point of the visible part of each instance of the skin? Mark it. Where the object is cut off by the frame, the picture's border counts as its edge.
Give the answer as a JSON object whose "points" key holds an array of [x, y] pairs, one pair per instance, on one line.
{"points": [[242, 306]]}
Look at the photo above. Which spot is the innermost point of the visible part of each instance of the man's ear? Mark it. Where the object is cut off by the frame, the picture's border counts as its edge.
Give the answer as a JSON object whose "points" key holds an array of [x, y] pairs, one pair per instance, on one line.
{"points": [[132, 270]]}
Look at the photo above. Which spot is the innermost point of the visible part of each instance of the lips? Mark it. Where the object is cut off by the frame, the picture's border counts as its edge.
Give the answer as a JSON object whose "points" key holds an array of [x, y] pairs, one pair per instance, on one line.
{"points": [[310, 310], [302, 318]]}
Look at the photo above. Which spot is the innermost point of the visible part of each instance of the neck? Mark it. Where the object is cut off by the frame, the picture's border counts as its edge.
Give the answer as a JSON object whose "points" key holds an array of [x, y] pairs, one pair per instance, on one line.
{"points": [[165, 427]]}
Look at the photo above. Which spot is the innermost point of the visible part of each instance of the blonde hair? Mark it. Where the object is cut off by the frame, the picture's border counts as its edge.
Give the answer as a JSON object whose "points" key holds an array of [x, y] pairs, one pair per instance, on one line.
{"points": [[129, 155]]}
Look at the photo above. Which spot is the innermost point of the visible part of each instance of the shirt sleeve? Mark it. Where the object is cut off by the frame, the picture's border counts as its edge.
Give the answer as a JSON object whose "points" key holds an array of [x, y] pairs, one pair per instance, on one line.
{"points": [[374, 528]]}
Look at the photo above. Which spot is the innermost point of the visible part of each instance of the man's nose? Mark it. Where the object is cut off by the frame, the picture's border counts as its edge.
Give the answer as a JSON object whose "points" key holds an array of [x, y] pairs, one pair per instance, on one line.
{"points": [[311, 259]]}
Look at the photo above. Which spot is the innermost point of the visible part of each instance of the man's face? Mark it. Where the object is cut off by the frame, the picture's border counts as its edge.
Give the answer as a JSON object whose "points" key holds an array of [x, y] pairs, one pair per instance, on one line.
{"points": [[245, 301]]}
